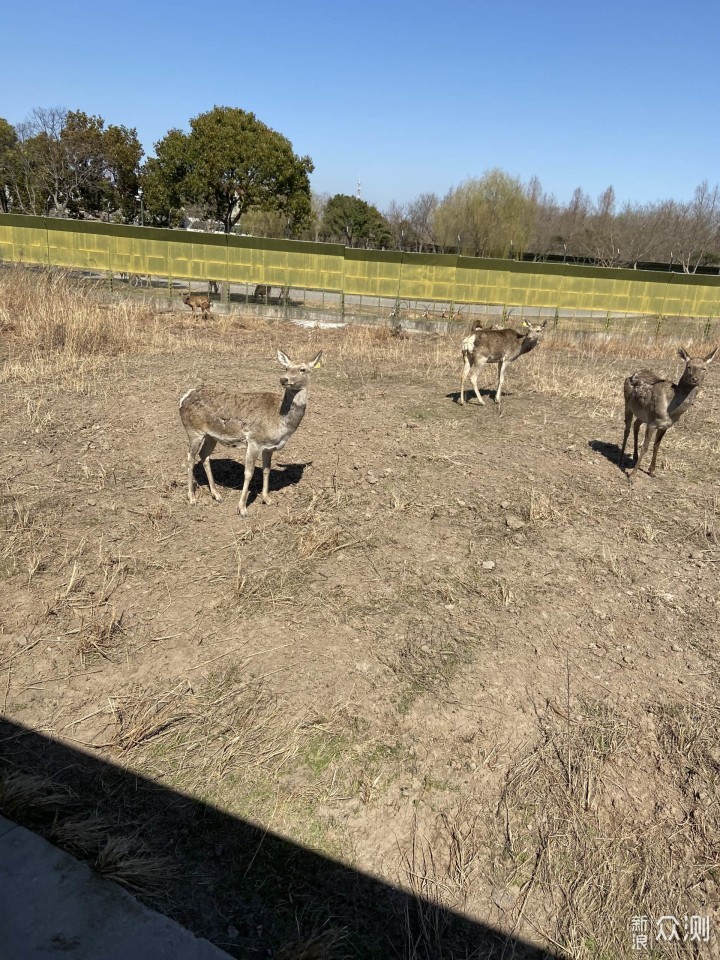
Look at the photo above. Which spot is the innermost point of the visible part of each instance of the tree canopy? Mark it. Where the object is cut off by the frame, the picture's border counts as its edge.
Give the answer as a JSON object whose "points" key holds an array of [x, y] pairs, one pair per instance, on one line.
{"points": [[229, 163], [355, 223], [231, 169], [69, 164], [486, 216]]}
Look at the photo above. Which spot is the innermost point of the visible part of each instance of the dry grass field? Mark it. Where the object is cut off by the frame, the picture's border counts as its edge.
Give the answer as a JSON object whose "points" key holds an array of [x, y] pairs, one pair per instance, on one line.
{"points": [[459, 651]]}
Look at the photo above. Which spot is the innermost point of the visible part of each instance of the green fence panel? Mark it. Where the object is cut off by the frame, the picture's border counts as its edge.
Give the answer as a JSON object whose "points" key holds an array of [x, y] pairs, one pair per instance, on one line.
{"points": [[428, 276], [372, 273], [192, 255], [482, 281], [23, 239]]}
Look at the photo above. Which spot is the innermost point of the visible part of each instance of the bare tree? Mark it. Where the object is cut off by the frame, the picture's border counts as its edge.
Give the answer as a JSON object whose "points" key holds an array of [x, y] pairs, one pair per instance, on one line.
{"points": [[421, 215]]}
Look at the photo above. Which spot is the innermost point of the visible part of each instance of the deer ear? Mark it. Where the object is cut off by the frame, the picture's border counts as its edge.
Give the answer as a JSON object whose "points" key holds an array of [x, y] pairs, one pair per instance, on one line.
{"points": [[544, 324], [682, 352], [526, 323], [316, 361], [284, 359], [710, 357]]}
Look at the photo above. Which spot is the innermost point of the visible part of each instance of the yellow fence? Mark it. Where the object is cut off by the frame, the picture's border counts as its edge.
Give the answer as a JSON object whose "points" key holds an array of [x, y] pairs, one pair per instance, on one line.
{"points": [[187, 255]]}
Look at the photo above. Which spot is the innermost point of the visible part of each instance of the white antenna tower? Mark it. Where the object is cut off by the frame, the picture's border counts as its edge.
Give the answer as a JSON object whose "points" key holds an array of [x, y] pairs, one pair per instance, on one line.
{"points": [[359, 188]]}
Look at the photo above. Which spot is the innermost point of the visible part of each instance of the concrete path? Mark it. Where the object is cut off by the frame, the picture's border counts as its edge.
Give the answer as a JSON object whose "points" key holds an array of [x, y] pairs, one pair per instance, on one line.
{"points": [[53, 906]]}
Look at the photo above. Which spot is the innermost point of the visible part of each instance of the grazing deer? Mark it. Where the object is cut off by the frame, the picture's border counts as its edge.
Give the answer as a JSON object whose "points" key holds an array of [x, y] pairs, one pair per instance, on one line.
{"points": [[261, 422], [262, 292], [500, 346], [199, 300], [659, 404]]}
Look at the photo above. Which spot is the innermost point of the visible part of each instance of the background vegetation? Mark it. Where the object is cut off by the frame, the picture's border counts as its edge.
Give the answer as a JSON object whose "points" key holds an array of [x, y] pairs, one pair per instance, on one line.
{"points": [[231, 172]]}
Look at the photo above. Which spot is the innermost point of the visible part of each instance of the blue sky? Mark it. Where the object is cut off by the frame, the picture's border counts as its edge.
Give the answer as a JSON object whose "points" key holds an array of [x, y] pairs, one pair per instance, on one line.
{"points": [[406, 97]]}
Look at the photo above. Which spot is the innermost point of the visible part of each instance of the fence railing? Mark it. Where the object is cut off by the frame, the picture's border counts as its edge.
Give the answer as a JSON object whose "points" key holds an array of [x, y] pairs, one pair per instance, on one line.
{"points": [[110, 249]]}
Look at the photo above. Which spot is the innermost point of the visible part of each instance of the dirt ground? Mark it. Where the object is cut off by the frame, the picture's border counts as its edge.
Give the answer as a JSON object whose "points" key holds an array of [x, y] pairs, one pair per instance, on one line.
{"points": [[459, 651]]}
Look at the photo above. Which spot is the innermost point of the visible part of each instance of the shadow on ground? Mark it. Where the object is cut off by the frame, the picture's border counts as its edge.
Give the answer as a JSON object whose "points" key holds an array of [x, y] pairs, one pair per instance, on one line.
{"points": [[611, 452], [253, 893], [470, 399], [230, 474]]}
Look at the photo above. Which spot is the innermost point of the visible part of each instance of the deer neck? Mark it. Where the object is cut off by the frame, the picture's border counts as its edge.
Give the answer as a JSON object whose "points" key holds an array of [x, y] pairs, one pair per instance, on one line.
{"points": [[683, 396], [527, 345], [292, 407]]}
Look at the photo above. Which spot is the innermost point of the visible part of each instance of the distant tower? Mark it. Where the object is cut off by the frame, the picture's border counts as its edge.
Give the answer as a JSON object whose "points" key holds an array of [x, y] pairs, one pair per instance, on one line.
{"points": [[359, 189]]}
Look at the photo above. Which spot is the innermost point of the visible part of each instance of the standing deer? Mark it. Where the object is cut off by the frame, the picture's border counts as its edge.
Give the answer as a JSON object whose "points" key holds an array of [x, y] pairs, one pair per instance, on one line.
{"points": [[659, 404], [261, 422], [500, 346], [199, 300], [262, 292]]}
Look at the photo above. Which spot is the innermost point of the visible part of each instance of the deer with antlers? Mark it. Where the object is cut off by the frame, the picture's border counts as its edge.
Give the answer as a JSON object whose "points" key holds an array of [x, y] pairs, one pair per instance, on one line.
{"points": [[261, 422]]}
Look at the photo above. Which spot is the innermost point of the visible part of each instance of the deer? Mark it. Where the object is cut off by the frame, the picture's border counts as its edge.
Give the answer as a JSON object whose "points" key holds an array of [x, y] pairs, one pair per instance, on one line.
{"points": [[199, 300], [261, 422], [262, 292], [659, 404], [500, 346]]}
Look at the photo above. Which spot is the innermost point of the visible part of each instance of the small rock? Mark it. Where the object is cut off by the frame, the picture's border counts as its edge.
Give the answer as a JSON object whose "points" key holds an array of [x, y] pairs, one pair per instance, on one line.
{"points": [[513, 522], [488, 564], [371, 478], [461, 503], [505, 504], [676, 648]]}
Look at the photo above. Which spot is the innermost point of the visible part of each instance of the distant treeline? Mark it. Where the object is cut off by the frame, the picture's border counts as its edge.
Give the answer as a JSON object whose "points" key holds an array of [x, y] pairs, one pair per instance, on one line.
{"points": [[232, 173]]}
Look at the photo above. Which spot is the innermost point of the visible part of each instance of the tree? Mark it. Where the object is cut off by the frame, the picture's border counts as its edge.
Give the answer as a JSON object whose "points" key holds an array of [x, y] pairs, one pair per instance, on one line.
{"points": [[490, 216], [355, 222], [229, 163], [8, 147], [421, 214], [67, 163], [398, 222], [318, 202], [163, 177]]}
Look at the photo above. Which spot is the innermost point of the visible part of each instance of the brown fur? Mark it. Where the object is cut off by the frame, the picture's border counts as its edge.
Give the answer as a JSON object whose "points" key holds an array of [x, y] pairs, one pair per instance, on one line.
{"points": [[500, 346], [261, 422], [199, 300], [659, 403]]}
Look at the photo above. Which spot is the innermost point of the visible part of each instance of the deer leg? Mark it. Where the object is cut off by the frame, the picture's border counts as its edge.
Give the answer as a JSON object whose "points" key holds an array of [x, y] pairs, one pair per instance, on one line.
{"points": [[643, 450], [636, 434], [194, 447], [626, 434], [501, 377], [659, 434], [266, 458], [474, 380], [466, 371], [204, 454], [250, 459]]}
